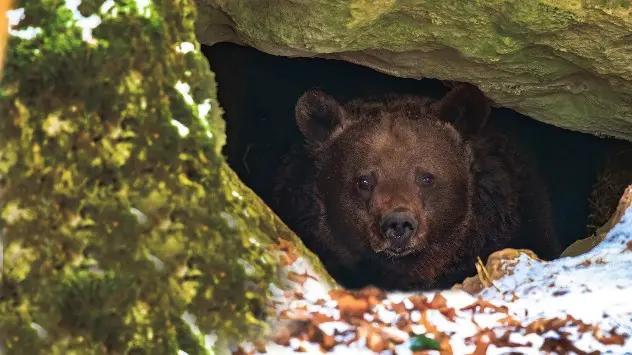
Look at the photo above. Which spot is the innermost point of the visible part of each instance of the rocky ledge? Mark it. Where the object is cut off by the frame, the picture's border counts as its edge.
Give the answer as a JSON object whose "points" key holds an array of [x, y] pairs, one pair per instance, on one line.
{"points": [[565, 63]]}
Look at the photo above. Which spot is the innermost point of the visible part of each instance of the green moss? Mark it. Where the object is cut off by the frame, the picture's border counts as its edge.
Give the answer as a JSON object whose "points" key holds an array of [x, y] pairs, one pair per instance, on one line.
{"points": [[119, 213]]}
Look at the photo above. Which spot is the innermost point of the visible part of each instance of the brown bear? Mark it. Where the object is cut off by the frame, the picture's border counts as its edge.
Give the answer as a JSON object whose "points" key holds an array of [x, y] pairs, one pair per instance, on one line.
{"points": [[405, 192]]}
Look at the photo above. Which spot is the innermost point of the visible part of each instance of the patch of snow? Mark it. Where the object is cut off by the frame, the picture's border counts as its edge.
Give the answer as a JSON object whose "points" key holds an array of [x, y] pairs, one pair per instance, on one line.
{"points": [[190, 320], [330, 312], [415, 316], [351, 349], [185, 47], [604, 285], [183, 130], [247, 267], [184, 89], [230, 220], [314, 290], [106, 6], [87, 24], [203, 109], [275, 290], [209, 341], [144, 7], [385, 315], [408, 304], [299, 266], [142, 219], [13, 18], [41, 332], [158, 264], [418, 328], [330, 327]]}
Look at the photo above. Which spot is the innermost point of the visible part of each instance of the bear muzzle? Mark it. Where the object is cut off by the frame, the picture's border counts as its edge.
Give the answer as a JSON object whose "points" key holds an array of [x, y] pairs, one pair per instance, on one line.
{"points": [[397, 227]]}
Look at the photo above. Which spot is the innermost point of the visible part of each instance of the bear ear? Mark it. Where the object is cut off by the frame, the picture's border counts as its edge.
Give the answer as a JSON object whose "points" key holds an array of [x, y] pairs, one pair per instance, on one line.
{"points": [[466, 107], [318, 115]]}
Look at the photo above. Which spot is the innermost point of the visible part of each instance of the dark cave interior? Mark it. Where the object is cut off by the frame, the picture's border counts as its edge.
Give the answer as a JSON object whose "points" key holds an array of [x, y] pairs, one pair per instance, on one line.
{"points": [[258, 91]]}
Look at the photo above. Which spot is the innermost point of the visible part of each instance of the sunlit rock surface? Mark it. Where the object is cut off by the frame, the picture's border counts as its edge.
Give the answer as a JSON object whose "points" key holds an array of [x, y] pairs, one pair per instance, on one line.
{"points": [[566, 63]]}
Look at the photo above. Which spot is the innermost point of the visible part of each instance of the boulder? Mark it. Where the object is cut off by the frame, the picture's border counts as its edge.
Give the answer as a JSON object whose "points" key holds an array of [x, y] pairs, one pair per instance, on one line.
{"points": [[560, 62]]}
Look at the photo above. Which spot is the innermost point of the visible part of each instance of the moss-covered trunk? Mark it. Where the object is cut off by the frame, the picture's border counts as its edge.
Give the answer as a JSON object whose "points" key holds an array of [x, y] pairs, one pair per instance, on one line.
{"points": [[119, 214]]}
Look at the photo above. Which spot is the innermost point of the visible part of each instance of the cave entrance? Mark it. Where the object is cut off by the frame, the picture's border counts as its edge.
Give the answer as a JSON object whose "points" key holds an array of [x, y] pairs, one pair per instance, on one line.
{"points": [[584, 174]]}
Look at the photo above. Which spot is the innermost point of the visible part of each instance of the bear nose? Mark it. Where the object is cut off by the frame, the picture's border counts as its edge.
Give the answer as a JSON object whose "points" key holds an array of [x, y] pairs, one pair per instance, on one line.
{"points": [[398, 226]]}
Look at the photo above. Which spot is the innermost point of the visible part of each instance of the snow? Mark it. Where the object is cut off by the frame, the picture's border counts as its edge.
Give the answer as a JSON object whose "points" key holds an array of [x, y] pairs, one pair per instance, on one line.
{"points": [[185, 47], [314, 291], [594, 288], [182, 129], [14, 17], [330, 327], [87, 24]]}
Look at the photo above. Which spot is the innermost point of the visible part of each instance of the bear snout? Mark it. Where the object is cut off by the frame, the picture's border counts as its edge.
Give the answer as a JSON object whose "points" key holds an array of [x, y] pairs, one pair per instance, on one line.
{"points": [[397, 227]]}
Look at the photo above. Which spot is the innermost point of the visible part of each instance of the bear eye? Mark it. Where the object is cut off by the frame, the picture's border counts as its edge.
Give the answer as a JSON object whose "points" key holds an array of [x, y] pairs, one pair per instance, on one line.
{"points": [[427, 179], [365, 183]]}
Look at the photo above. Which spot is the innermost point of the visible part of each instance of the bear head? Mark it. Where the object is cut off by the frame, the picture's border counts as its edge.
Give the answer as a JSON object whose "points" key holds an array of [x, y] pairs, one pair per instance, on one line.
{"points": [[394, 174]]}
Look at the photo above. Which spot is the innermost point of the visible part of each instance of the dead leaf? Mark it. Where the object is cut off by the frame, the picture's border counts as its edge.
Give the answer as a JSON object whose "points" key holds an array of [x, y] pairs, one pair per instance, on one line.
{"points": [[350, 305]]}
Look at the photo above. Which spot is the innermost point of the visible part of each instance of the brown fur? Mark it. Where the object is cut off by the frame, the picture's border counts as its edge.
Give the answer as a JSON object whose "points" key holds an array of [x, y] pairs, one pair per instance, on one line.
{"points": [[485, 195]]}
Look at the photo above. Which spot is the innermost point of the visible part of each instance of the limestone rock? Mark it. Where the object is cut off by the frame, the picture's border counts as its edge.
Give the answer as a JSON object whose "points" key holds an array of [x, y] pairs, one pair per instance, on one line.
{"points": [[566, 63]]}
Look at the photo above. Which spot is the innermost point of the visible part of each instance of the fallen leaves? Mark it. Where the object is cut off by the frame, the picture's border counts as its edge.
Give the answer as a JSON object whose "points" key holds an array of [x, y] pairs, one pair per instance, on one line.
{"points": [[481, 305], [380, 323], [312, 321]]}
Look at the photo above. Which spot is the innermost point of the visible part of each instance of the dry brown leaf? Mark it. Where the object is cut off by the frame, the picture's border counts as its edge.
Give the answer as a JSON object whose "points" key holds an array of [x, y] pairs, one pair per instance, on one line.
{"points": [[399, 308], [282, 336], [349, 305], [376, 342], [510, 321], [563, 346], [611, 339], [285, 259], [438, 301], [420, 302], [260, 346], [481, 305], [319, 318], [298, 278]]}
